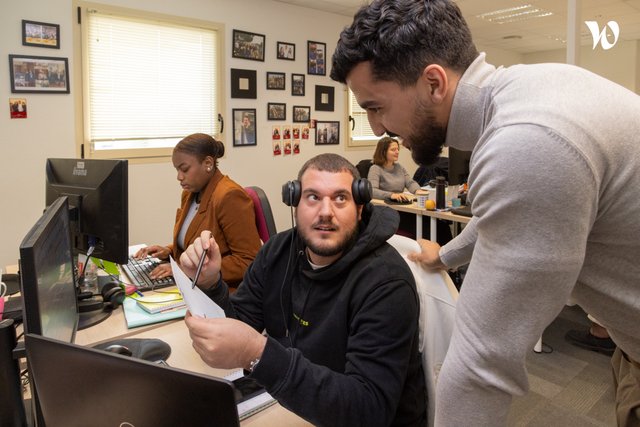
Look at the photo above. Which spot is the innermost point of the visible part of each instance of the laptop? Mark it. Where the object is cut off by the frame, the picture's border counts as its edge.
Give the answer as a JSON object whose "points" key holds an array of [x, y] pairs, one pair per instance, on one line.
{"points": [[82, 386]]}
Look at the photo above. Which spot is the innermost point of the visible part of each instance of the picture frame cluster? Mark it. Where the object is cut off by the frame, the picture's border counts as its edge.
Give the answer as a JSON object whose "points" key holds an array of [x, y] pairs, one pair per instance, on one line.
{"points": [[251, 46]]}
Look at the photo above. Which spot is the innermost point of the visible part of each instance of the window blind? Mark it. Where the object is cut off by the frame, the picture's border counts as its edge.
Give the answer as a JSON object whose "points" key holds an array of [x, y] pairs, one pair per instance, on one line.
{"points": [[150, 83]]}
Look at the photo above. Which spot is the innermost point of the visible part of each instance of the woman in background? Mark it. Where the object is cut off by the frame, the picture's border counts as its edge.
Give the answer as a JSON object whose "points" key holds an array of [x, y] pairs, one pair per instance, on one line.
{"points": [[388, 178], [210, 201]]}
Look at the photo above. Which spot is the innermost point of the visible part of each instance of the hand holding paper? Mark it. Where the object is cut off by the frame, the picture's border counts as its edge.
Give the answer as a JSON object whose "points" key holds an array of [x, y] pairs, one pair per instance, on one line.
{"points": [[199, 304]]}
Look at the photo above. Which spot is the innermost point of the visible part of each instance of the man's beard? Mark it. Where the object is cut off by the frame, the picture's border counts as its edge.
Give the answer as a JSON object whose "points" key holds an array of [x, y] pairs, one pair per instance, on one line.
{"points": [[328, 251], [428, 139]]}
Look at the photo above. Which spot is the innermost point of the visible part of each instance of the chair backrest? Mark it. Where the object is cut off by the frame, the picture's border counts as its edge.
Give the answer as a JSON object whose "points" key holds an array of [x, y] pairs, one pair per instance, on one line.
{"points": [[438, 296], [363, 167], [264, 216]]}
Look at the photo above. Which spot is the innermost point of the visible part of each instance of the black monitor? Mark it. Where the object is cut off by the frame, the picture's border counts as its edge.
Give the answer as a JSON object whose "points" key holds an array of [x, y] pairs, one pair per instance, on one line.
{"points": [[98, 201], [458, 166], [47, 277]]}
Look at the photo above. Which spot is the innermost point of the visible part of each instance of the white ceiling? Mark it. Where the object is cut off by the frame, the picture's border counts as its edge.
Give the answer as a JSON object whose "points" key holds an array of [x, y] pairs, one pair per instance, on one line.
{"points": [[535, 35]]}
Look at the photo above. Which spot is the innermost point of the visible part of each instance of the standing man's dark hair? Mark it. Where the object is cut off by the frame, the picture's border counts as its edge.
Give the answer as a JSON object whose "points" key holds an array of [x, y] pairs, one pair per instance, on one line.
{"points": [[399, 48]]}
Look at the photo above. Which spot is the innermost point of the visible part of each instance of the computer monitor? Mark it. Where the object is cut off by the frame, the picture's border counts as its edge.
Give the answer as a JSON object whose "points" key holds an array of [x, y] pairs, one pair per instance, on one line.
{"points": [[458, 166], [47, 277], [97, 190], [84, 386]]}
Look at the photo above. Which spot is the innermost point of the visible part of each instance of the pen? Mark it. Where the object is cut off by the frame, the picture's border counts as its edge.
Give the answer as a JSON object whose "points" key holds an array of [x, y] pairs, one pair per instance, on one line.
{"points": [[199, 269]]}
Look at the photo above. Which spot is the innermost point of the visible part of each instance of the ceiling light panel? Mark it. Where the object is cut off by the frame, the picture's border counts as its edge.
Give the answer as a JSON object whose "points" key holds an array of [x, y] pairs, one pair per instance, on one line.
{"points": [[514, 14]]}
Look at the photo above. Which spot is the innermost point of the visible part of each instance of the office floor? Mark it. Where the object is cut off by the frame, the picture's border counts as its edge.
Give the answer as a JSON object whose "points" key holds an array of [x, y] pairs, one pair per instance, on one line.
{"points": [[568, 387]]}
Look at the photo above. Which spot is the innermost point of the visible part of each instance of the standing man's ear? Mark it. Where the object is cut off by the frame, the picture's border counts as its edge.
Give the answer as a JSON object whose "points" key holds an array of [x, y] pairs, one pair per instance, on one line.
{"points": [[435, 78]]}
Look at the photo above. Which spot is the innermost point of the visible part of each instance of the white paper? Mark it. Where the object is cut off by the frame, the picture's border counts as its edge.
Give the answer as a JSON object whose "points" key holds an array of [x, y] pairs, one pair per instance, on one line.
{"points": [[199, 304]]}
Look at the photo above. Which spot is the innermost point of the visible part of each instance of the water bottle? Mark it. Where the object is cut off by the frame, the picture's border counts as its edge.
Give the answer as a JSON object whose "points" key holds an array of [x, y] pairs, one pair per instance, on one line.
{"points": [[90, 278], [441, 183]]}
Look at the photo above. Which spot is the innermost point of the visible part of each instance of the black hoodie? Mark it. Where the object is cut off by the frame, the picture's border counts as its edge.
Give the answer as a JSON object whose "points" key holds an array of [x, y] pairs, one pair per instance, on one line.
{"points": [[342, 346]]}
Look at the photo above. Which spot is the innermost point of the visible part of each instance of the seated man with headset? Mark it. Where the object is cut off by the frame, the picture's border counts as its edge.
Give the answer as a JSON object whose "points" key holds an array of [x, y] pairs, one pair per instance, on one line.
{"points": [[337, 303]]}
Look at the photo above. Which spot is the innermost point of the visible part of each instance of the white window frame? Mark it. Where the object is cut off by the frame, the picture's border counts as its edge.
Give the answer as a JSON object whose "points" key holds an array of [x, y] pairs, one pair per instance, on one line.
{"points": [[359, 130], [155, 152]]}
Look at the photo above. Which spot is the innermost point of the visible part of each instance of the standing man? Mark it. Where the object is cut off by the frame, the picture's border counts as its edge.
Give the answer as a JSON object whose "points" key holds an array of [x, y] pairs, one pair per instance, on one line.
{"points": [[554, 184], [337, 303]]}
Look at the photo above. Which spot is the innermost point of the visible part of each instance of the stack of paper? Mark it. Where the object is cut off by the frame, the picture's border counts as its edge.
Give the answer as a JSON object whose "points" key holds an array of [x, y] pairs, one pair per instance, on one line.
{"points": [[160, 303]]}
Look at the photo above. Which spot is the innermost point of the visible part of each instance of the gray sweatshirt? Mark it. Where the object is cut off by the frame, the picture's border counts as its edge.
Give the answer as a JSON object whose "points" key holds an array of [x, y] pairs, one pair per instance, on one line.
{"points": [[388, 181], [555, 190]]}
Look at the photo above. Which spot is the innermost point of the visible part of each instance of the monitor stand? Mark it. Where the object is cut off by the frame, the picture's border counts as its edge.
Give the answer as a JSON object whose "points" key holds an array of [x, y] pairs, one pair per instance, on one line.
{"points": [[91, 318], [92, 311]]}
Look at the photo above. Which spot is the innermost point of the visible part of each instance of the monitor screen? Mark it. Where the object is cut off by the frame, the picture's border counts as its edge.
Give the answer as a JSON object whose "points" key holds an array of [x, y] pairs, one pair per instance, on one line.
{"points": [[47, 276], [458, 166], [98, 201]]}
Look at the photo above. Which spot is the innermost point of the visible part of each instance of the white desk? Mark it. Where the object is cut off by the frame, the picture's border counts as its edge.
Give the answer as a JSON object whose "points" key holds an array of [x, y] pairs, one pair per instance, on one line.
{"points": [[419, 213], [183, 356]]}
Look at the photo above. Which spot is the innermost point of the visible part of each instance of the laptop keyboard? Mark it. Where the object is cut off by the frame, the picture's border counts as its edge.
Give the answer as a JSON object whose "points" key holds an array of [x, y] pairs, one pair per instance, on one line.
{"points": [[139, 270]]}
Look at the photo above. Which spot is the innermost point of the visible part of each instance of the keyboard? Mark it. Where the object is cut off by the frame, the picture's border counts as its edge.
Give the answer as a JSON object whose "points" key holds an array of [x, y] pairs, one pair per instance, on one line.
{"points": [[464, 210], [139, 269], [390, 201]]}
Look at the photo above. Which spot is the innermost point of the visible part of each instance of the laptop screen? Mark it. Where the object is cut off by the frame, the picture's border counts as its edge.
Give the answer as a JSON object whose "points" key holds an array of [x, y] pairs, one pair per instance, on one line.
{"points": [[81, 386]]}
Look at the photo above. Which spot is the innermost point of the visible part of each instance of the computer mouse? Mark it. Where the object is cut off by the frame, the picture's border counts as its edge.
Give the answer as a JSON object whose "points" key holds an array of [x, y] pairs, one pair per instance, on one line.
{"points": [[120, 349]]}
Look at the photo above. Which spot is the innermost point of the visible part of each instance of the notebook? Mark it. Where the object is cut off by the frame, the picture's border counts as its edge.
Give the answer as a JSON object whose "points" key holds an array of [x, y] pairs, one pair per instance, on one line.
{"points": [[251, 397], [136, 316], [82, 386], [160, 303]]}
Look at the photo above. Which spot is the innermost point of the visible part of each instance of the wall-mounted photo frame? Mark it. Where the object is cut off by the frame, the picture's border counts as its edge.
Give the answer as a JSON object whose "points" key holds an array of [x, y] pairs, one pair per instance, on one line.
{"points": [[243, 83], [316, 58], [248, 45], [325, 98], [38, 74], [327, 133], [276, 80], [40, 34], [276, 111], [244, 127], [297, 84], [301, 114], [286, 51]]}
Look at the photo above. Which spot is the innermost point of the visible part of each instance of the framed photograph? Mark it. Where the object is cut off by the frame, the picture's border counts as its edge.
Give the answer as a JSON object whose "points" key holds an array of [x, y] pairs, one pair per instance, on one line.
{"points": [[301, 114], [316, 58], [243, 83], [38, 74], [40, 34], [244, 127], [324, 98], [248, 45], [286, 51], [297, 84], [276, 111], [327, 133], [275, 80]]}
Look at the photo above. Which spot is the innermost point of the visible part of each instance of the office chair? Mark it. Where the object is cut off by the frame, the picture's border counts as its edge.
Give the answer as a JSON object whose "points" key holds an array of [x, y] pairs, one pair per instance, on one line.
{"points": [[363, 167], [264, 217], [438, 297]]}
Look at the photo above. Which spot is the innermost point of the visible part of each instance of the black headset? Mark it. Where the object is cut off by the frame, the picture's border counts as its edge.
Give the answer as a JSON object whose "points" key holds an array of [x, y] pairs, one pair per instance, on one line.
{"points": [[112, 296], [360, 188]]}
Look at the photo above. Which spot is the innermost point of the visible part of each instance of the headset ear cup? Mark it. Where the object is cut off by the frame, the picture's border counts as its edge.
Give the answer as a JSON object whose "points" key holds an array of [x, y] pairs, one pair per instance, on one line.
{"points": [[361, 190], [112, 294], [291, 193]]}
